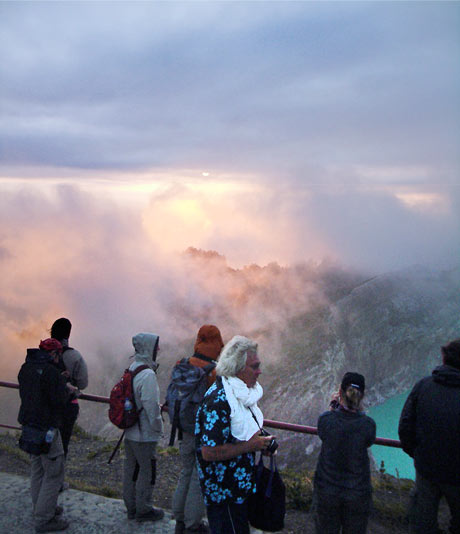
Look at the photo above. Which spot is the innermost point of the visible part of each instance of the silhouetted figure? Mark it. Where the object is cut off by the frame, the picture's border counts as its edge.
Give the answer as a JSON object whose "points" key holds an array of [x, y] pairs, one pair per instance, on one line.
{"points": [[75, 370], [342, 487], [44, 396], [429, 430], [188, 505]]}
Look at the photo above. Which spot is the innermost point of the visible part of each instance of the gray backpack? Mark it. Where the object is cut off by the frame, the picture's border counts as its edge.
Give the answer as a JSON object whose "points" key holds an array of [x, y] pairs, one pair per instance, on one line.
{"points": [[184, 394]]}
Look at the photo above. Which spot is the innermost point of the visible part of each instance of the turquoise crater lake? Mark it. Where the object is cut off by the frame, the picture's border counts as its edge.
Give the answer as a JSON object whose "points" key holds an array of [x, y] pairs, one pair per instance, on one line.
{"points": [[386, 417]]}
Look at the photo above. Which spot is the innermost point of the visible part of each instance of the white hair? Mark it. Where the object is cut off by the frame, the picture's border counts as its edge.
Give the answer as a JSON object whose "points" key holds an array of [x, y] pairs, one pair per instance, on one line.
{"points": [[233, 357]]}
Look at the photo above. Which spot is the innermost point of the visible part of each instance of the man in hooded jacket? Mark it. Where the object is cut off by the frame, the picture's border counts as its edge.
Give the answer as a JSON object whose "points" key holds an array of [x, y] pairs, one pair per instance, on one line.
{"points": [[188, 505], [44, 396], [429, 430], [142, 438]]}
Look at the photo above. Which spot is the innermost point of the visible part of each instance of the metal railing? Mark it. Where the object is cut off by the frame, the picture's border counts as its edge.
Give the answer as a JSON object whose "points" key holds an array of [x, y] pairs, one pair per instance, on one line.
{"points": [[281, 425]]}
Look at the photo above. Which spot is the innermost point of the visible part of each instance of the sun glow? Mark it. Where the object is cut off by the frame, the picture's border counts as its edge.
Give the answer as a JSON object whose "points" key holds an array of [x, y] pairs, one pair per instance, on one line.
{"points": [[428, 201]]}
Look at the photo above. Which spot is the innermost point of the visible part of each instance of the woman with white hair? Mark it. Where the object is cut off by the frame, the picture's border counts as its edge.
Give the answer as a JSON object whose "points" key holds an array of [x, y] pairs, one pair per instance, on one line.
{"points": [[228, 435]]}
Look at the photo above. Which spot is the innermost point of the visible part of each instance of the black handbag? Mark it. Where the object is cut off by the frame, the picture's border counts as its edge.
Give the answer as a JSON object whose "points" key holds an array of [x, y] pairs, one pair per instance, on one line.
{"points": [[33, 441], [267, 506]]}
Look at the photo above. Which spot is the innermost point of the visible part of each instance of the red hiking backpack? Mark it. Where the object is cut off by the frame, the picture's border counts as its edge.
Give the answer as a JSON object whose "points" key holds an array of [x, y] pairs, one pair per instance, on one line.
{"points": [[123, 412]]}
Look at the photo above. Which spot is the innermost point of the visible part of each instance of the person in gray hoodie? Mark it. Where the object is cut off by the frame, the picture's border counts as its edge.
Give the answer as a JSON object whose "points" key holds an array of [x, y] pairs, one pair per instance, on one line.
{"points": [[142, 438]]}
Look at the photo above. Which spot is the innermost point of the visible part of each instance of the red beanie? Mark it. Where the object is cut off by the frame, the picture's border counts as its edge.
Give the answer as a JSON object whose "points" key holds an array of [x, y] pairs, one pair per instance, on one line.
{"points": [[50, 344]]}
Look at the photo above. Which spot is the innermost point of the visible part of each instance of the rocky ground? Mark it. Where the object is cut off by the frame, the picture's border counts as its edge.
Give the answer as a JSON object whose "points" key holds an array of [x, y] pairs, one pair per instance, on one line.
{"points": [[87, 469]]}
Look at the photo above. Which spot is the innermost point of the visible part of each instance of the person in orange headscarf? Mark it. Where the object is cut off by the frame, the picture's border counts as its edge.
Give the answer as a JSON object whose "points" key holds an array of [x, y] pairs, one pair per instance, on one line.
{"points": [[188, 505], [207, 348]]}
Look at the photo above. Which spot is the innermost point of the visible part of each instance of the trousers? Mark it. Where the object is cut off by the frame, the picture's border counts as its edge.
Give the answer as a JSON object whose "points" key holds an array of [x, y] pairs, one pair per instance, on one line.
{"points": [[335, 514], [69, 417], [46, 478], [228, 518], [423, 512], [187, 504], [137, 491]]}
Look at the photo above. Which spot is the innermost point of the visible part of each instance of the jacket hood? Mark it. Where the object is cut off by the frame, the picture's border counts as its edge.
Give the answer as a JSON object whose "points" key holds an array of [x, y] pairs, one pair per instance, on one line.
{"points": [[209, 341], [146, 348], [447, 375], [38, 356]]}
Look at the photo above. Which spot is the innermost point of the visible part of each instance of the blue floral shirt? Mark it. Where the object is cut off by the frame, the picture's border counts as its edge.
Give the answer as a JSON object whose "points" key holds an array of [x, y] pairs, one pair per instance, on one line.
{"points": [[230, 480]]}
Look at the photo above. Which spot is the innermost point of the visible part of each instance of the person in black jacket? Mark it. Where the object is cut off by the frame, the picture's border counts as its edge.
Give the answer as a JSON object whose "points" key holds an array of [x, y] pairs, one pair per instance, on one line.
{"points": [[44, 394], [342, 485], [429, 430]]}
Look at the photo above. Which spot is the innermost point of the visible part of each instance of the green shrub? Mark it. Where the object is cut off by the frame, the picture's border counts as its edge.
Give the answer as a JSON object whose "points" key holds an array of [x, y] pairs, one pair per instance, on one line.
{"points": [[15, 451], [299, 489], [165, 451]]}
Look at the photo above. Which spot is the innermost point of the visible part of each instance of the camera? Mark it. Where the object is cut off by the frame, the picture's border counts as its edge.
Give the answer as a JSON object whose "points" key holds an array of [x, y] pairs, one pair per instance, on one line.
{"points": [[273, 445]]}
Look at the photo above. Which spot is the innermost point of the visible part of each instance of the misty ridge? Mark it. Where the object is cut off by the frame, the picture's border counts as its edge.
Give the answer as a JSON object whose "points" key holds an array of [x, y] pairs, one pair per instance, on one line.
{"points": [[312, 321]]}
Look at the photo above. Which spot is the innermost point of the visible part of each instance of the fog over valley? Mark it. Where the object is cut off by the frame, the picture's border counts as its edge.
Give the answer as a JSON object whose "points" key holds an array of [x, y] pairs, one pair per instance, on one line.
{"points": [[287, 171]]}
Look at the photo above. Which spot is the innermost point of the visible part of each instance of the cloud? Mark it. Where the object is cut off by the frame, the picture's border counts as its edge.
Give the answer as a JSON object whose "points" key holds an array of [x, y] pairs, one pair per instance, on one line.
{"points": [[326, 129], [262, 88]]}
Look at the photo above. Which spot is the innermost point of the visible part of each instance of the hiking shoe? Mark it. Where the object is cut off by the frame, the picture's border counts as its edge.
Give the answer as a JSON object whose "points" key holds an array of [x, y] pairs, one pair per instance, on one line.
{"points": [[180, 527], [200, 529], [154, 514], [132, 514], [53, 525]]}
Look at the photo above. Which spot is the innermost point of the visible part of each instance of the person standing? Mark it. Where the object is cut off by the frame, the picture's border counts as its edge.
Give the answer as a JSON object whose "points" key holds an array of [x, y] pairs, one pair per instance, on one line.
{"points": [[76, 372], [429, 430], [187, 504], [228, 435], [142, 438], [44, 396], [342, 485]]}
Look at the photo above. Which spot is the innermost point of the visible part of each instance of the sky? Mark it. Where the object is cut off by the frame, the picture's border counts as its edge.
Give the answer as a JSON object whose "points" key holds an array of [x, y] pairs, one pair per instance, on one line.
{"points": [[281, 132]]}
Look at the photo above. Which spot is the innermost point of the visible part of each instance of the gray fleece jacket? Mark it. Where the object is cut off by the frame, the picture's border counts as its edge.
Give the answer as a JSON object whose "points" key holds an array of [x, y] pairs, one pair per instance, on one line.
{"points": [[146, 391]]}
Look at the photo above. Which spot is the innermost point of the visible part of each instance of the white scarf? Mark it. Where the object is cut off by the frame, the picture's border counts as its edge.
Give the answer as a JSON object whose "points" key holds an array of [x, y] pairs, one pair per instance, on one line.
{"points": [[240, 399]]}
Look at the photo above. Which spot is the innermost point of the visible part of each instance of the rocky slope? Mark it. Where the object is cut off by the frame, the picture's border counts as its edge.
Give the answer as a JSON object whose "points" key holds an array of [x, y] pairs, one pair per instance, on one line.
{"points": [[389, 328], [312, 323]]}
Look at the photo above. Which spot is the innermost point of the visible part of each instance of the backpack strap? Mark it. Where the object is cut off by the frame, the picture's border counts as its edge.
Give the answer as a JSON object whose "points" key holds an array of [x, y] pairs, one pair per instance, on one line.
{"points": [[175, 426], [138, 370], [133, 374], [204, 358]]}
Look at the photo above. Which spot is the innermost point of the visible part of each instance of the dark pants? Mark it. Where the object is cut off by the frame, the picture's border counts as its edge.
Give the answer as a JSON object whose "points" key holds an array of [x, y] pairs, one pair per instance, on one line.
{"points": [[423, 514], [335, 514], [228, 518], [69, 417]]}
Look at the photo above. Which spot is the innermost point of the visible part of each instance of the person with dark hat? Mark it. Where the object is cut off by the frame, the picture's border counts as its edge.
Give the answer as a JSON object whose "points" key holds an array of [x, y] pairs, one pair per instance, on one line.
{"points": [[188, 505], [75, 370], [44, 395], [342, 485], [429, 430]]}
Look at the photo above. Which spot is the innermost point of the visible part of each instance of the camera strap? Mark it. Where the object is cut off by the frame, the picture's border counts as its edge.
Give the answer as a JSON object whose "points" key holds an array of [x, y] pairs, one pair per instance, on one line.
{"points": [[255, 418]]}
